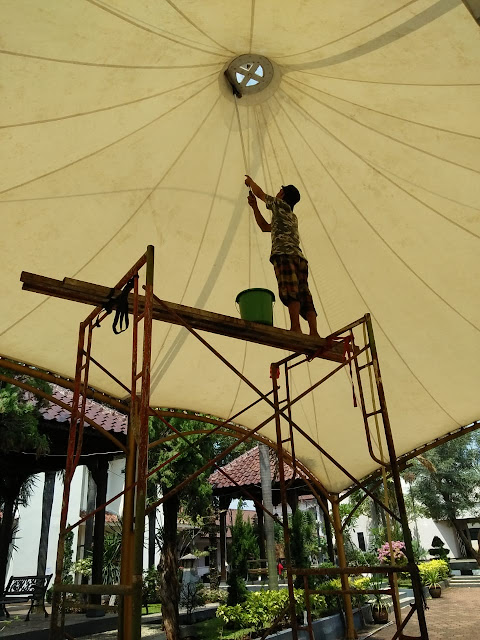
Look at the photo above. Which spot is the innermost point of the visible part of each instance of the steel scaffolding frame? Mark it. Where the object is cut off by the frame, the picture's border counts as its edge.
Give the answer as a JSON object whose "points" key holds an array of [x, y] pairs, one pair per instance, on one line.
{"points": [[143, 310]]}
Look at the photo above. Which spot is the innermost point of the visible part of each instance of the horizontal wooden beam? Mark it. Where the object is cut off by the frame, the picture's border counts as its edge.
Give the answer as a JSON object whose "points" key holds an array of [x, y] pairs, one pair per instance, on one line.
{"points": [[98, 295]]}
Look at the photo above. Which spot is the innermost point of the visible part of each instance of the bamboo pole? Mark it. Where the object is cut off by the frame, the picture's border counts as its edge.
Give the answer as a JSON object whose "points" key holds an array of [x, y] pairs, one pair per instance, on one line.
{"points": [[350, 633]]}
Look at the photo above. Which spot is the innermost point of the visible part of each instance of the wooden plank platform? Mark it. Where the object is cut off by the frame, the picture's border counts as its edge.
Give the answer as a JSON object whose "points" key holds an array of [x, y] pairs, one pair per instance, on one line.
{"points": [[98, 295]]}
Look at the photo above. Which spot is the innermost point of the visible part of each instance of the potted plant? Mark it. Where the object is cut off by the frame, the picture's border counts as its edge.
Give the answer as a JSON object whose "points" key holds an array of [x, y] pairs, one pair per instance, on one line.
{"points": [[380, 604], [431, 577]]}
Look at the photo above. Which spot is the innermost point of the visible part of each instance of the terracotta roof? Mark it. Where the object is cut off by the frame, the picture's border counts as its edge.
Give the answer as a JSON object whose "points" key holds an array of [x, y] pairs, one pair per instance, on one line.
{"points": [[107, 418], [248, 515], [109, 516], [245, 470]]}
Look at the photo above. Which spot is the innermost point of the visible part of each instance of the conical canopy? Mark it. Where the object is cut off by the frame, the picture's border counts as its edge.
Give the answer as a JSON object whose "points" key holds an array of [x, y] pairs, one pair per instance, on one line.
{"points": [[119, 130]]}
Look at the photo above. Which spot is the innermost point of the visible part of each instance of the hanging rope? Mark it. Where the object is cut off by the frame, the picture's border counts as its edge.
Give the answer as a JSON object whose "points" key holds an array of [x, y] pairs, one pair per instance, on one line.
{"points": [[121, 302], [245, 162]]}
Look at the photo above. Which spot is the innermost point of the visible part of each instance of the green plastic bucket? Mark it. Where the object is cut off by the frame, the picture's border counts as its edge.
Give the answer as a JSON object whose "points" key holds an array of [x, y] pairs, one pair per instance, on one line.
{"points": [[256, 305]]}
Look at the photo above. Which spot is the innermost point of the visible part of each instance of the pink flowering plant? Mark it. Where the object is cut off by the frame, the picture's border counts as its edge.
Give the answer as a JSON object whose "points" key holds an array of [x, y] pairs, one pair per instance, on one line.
{"points": [[398, 555]]}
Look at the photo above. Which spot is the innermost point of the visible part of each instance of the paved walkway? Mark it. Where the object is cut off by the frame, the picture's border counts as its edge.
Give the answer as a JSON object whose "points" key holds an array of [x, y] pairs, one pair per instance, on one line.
{"points": [[454, 616]]}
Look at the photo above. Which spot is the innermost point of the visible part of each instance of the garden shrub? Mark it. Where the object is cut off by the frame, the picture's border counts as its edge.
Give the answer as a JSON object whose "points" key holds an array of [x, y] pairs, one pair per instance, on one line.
{"points": [[215, 595], [150, 587], [331, 601], [318, 605], [438, 550], [262, 608], [361, 582], [233, 616], [441, 565], [321, 579]]}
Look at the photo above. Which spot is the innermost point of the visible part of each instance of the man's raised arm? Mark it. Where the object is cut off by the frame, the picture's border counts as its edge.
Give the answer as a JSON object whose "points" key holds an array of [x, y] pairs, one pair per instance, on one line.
{"points": [[259, 219], [256, 190]]}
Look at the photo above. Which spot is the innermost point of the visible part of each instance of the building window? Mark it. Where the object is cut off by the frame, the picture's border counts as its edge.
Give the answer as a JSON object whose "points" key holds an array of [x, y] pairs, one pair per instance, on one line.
{"points": [[361, 541]]}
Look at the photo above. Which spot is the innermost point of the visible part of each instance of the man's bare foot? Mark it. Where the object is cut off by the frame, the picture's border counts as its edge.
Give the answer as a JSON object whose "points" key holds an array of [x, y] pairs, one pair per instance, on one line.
{"points": [[296, 329], [314, 334]]}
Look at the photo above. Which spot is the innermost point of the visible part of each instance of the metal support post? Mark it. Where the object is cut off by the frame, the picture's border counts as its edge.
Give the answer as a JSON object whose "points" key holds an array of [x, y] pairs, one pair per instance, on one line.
{"points": [[274, 372], [350, 633], [73, 455], [142, 450]]}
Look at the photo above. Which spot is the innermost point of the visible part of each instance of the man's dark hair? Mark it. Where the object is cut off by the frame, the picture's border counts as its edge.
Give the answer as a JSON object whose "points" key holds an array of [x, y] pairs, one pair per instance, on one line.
{"points": [[291, 195]]}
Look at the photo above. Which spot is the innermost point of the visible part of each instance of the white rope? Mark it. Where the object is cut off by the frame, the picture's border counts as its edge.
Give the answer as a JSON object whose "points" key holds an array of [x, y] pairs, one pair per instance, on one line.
{"points": [[245, 162]]}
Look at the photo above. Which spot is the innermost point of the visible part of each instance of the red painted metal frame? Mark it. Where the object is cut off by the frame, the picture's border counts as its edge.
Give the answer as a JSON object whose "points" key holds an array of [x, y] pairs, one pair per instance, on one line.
{"points": [[138, 445], [372, 360], [136, 455]]}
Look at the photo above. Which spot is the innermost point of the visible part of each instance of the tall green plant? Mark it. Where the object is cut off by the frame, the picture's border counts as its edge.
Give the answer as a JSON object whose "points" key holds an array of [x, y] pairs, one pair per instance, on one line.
{"points": [[67, 576], [300, 536], [194, 501], [244, 547], [112, 550]]}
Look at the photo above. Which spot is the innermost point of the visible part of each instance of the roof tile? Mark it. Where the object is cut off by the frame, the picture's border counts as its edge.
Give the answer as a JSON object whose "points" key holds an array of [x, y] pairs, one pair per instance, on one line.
{"points": [[245, 470], [109, 419]]}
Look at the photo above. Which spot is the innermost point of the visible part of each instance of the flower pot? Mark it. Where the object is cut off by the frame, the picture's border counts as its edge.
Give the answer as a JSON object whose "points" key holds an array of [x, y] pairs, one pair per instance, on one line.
{"points": [[435, 592], [379, 614]]}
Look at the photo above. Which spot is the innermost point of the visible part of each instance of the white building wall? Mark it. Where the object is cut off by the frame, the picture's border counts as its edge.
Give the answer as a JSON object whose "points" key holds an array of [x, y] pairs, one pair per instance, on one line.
{"points": [[116, 480], [362, 525], [428, 529], [24, 558]]}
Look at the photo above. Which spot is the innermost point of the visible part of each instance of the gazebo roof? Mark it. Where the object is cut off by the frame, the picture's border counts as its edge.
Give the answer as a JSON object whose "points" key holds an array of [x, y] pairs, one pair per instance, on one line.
{"points": [[245, 471]]}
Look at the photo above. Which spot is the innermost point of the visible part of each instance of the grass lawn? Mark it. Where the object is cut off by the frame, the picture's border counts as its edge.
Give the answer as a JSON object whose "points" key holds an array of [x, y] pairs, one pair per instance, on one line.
{"points": [[405, 583], [152, 608]]}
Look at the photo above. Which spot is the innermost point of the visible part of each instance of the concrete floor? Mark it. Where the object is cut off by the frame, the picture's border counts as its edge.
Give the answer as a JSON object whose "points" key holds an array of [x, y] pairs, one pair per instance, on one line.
{"points": [[454, 616]]}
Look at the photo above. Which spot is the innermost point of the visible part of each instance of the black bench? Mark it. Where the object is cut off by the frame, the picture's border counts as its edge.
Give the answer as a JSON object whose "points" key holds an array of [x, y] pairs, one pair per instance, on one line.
{"points": [[25, 588]]}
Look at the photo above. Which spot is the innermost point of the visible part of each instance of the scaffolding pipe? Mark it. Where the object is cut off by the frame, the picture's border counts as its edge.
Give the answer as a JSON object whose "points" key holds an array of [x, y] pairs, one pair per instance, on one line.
{"points": [[274, 372], [350, 633], [407, 536], [137, 445]]}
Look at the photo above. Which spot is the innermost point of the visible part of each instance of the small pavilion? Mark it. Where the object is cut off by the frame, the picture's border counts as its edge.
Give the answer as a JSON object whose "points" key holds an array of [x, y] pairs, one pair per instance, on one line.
{"points": [[244, 481]]}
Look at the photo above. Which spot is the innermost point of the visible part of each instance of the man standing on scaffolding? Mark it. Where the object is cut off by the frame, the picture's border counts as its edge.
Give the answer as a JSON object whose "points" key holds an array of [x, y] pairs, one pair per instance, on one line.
{"points": [[289, 263]]}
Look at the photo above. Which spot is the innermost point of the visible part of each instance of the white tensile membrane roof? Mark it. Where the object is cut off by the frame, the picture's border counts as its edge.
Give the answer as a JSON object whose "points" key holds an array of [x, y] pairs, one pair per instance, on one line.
{"points": [[119, 130]]}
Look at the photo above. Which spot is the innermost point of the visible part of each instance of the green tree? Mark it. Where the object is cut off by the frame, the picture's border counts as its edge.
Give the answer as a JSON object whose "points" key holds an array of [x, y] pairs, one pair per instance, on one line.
{"points": [[20, 416], [244, 547], [447, 483], [19, 431], [194, 501], [301, 534]]}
